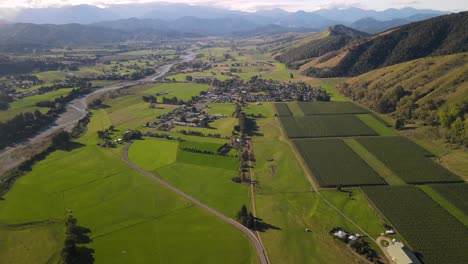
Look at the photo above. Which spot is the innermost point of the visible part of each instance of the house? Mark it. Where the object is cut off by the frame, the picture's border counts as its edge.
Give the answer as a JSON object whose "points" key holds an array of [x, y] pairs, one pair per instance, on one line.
{"points": [[352, 238], [401, 255], [389, 232], [341, 234]]}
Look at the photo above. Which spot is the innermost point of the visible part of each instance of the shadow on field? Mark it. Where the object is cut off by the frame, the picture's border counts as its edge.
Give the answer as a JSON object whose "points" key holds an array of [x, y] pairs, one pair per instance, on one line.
{"points": [[84, 254], [261, 226], [71, 146]]}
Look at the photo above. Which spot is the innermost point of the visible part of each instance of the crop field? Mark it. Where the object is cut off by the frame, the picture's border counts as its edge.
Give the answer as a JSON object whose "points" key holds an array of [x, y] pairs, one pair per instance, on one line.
{"points": [[330, 108], [377, 125], [282, 109], [285, 189], [457, 194], [428, 228], [151, 154], [410, 162], [322, 155], [325, 126]]}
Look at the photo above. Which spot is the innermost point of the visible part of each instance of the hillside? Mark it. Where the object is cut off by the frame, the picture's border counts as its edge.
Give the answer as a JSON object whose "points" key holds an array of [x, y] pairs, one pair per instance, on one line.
{"points": [[333, 38], [430, 92], [371, 25], [437, 36]]}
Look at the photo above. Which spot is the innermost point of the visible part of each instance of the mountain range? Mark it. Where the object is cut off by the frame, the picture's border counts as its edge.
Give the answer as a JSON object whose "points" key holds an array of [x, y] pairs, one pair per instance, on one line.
{"points": [[320, 19], [342, 51]]}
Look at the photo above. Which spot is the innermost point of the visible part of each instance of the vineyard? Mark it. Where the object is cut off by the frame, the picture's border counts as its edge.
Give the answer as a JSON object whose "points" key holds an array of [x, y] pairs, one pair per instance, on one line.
{"points": [[410, 162], [327, 108], [325, 126], [323, 156], [282, 109], [433, 233], [457, 194]]}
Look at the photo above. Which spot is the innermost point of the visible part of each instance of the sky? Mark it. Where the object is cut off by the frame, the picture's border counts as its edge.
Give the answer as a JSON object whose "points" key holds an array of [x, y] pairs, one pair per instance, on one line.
{"points": [[253, 5]]}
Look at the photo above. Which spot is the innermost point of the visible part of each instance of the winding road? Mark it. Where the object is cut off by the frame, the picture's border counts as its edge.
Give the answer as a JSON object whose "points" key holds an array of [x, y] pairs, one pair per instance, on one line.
{"points": [[12, 156], [253, 238]]}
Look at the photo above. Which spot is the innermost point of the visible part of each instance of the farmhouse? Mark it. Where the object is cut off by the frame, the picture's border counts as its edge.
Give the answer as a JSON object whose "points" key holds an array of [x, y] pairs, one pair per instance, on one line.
{"points": [[401, 255]]}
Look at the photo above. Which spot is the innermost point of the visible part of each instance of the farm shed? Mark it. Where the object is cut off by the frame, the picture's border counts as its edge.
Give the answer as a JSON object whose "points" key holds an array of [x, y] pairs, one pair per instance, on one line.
{"points": [[401, 255]]}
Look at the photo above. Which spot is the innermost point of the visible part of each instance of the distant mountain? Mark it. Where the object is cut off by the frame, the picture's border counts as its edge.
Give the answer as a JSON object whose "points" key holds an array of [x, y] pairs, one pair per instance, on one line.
{"points": [[442, 35], [86, 14], [350, 15], [319, 44], [272, 30], [80, 14], [372, 25]]}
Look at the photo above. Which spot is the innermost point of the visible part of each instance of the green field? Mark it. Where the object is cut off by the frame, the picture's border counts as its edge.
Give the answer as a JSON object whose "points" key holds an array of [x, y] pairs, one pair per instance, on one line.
{"points": [[333, 163], [204, 176], [330, 108], [428, 228], [225, 109], [183, 91], [131, 218], [407, 160], [457, 194], [28, 104], [282, 109], [325, 126]]}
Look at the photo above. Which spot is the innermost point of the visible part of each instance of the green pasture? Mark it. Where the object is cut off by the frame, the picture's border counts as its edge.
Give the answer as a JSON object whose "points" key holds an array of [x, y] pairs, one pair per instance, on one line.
{"points": [[28, 104], [131, 218]]}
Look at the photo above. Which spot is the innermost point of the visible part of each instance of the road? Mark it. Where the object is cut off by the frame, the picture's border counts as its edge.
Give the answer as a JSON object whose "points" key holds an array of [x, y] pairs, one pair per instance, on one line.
{"points": [[257, 244], [12, 156]]}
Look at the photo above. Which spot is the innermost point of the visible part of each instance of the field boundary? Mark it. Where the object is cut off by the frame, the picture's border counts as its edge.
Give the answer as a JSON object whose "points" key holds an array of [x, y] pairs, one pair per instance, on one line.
{"points": [[373, 162]]}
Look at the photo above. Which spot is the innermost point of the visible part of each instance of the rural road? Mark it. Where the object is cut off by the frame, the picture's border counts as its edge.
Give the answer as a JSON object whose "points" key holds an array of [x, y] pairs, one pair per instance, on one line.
{"points": [[12, 156], [257, 244]]}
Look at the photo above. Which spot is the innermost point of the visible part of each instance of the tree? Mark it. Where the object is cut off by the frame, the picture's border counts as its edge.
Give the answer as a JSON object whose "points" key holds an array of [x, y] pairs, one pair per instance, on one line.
{"points": [[291, 75], [399, 123], [188, 78], [61, 139]]}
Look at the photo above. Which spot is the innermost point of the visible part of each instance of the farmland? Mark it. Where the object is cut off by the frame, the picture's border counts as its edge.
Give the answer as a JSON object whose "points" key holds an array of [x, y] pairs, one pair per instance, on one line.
{"points": [[330, 108], [429, 229], [316, 126], [138, 213], [285, 203], [282, 109], [410, 162], [321, 156], [456, 193]]}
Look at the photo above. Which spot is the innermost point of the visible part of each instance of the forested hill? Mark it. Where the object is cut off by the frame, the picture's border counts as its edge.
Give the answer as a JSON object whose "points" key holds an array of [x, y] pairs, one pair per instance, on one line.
{"points": [[430, 91], [437, 36], [20, 36], [333, 38]]}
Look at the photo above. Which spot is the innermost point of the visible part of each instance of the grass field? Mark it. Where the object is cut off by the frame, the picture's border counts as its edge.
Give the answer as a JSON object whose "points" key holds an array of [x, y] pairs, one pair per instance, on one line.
{"points": [[429, 229], [28, 104], [407, 160], [333, 163], [131, 218], [151, 154], [287, 206], [225, 109], [330, 108], [325, 126], [182, 91], [207, 160]]}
